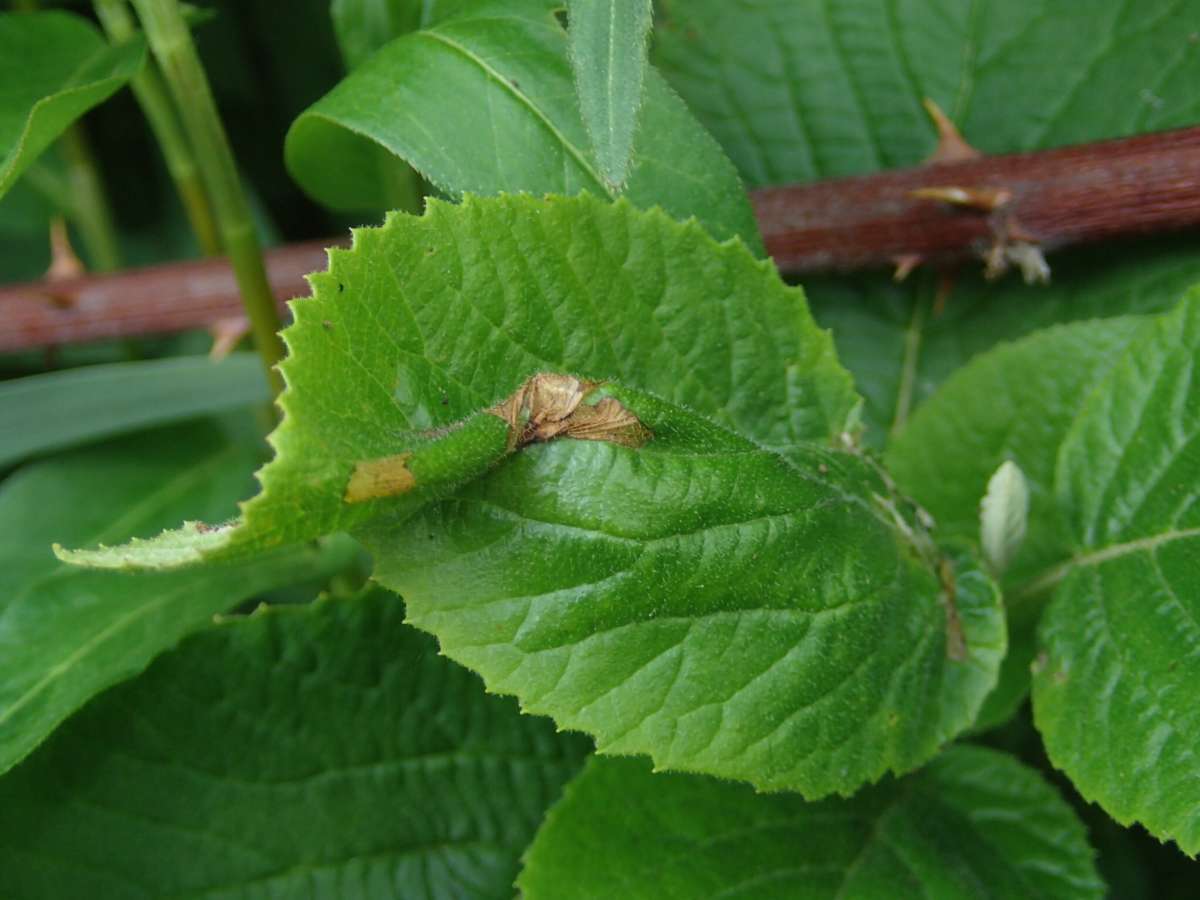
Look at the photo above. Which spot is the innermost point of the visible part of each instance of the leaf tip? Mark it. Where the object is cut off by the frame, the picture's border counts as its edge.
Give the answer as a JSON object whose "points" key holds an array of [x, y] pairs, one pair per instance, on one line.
{"points": [[1003, 515]]}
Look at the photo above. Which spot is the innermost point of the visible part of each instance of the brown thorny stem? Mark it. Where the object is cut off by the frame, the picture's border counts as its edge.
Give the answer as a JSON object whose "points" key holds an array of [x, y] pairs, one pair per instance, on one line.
{"points": [[1004, 209]]}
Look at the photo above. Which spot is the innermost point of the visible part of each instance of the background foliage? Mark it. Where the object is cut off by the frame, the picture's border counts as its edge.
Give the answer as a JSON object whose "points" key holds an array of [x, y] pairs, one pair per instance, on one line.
{"points": [[752, 594]]}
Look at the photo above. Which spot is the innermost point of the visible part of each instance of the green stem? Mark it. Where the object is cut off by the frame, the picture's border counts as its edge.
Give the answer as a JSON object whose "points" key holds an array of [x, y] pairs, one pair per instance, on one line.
{"points": [[89, 208], [171, 43], [151, 93]]}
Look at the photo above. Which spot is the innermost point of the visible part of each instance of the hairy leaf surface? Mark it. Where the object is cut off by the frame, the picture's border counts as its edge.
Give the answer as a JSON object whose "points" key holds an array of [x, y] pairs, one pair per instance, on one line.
{"points": [[428, 320], [800, 91], [323, 750], [974, 823], [483, 102], [1114, 687], [721, 607], [54, 68], [68, 633], [608, 56]]}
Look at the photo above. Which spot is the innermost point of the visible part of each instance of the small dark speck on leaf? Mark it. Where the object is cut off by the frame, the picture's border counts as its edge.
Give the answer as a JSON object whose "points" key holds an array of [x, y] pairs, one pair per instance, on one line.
{"points": [[515, 83], [429, 251], [341, 287], [327, 325]]}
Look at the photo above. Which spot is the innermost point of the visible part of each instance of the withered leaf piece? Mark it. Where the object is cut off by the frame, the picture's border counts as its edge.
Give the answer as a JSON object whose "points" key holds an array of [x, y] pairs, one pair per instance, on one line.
{"points": [[549, 406], [383, 477]]}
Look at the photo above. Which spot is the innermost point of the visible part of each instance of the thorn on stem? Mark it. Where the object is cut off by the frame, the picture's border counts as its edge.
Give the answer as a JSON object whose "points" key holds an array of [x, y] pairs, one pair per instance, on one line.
{"points": [[951, 145], [980, 198], [905, 265], [64, 261], [226, 334]]}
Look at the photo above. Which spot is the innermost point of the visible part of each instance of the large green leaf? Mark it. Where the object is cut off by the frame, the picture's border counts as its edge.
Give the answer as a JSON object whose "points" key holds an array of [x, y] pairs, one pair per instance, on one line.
{"points": [[798, 91], [317, 751], [694, 548], [428, 320], [1115, 685], [1015, 402], [484, 102], [54, 68], [608, 55], [67, 633], [92, 402], [974, 824], [721, 607]]}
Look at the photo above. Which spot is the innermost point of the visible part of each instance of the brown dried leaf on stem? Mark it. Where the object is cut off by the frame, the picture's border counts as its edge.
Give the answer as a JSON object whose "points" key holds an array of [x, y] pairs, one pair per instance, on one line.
{"points": [[549, 406]]}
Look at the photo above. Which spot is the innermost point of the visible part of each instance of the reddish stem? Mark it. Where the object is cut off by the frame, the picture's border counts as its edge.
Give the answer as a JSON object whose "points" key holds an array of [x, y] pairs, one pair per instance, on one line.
{"points": [[1054, 198], [1069, 195], [152, 300]]}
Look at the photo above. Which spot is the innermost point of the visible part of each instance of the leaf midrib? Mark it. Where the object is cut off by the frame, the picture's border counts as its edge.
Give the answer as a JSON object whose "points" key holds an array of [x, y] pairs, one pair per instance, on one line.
{"points": [[1052, 576], [575, 152]]}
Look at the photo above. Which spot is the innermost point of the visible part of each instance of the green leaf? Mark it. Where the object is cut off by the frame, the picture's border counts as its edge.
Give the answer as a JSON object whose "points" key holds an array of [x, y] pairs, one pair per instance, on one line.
{"points": [[428, 320], [323, 750], [95, 402], [723, 608], [68, 633], [1015, 402], [608, 56], [974, 823], [1115, 685], [472, 116], [55, 67], [799, 91]]}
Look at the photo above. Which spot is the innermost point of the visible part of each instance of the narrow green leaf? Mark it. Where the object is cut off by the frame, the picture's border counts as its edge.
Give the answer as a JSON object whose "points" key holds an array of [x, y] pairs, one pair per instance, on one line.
{"points": [[1015, 402], [429, 320], [1115, 685], [54, 68], [95, 402], [723, 608], [316, 751], [608, 56], [68, 633], [799, 91], [974, 823], [472, 116]]}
